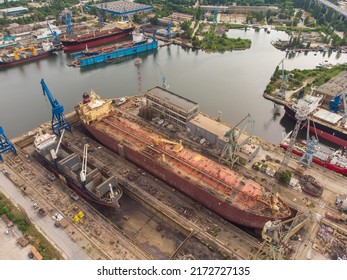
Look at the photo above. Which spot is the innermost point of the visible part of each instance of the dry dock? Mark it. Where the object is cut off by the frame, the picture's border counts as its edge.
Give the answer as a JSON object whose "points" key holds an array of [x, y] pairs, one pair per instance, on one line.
{"points": [[157, 222]]}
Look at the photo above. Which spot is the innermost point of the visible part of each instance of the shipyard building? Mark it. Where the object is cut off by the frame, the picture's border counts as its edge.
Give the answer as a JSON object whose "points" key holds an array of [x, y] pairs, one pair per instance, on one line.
{"points": [[174, 108], [185, 113], [123, 8]]}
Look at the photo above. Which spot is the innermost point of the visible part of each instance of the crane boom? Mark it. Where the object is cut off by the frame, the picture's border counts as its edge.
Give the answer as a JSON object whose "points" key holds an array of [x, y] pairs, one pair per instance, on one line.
{"points": [[5, 144], [83, 173], [54, 33], [59, 121]]}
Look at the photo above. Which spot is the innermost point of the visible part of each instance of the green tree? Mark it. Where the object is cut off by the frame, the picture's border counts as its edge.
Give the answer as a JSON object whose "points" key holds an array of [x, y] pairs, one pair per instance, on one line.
{"points": [[284, 177]]}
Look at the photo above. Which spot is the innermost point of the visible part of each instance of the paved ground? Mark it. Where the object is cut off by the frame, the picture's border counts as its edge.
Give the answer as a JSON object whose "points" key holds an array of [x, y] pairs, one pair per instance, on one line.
{"points": [[62, 241], [9, 249]]}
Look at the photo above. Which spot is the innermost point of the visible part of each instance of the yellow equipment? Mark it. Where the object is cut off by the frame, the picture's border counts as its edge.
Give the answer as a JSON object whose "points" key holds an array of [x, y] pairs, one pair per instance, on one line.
{"points": [[276, 235], [178, 146], [31, 48]]}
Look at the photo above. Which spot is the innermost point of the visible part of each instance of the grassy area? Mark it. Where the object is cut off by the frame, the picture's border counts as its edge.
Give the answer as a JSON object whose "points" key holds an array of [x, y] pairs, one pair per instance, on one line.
{"points": [[296, 78], [35, 238], [214, 43]]}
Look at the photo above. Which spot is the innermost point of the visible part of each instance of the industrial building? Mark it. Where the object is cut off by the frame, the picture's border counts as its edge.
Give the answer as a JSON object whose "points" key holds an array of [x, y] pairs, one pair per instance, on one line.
{"points": [[15, 11], [123, 8], [212, 130], [174, 108], [334, 86]]}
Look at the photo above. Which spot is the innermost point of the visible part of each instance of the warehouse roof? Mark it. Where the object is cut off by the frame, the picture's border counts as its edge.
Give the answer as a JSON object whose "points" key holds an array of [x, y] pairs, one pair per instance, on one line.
{"points": [[172, 98], [334, 86], [217, 128], [123, 7]]}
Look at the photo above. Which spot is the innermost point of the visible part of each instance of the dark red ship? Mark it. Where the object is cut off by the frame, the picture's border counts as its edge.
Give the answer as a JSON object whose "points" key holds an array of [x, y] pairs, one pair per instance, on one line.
{"points": [[26, 54], [96, 37], [215, 186]]}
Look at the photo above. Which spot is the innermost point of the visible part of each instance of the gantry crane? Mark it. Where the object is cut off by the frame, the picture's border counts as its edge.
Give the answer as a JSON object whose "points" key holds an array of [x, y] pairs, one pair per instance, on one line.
{"points": [[282, 93], [311, 144], [168, 28], [66, 18], [54, 33], [276, 235], [59, 121], [230, 153], [301, 116], [5, 144]]}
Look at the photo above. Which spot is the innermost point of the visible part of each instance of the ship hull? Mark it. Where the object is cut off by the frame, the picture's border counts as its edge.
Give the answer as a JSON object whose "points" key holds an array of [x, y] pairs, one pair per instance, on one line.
{"points": [[94, 41], [224, 209], [322, 130], [24, 60], [325, 164], [78, 189]]}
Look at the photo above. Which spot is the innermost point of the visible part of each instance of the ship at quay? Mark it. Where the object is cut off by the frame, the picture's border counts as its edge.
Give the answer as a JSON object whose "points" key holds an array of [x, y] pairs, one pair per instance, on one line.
{"points": [[81, 176], [26, 54], [97, 37], [327, 124], [108, 53], [215, 186]]}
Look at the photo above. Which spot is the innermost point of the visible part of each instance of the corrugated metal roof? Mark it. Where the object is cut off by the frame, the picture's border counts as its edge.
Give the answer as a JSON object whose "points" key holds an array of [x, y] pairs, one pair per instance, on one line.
{"points": [[172, 98]]}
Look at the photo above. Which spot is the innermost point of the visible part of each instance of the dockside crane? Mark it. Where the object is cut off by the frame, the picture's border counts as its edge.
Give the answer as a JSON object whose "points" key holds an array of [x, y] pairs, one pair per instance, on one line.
{"points": [[276, 235], [5, 144], [59, 121], [65, 16], [230, 153], [282, 92], [301, 116], [55, 34], [168, 28]]}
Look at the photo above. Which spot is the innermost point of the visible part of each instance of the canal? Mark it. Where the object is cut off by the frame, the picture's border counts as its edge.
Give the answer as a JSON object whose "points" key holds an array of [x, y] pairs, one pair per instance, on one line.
{"points": [[230, 82]]}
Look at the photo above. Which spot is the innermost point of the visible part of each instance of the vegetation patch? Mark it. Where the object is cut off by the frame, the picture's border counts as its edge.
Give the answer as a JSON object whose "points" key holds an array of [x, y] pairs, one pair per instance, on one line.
{"points": [[29, 231], [295, 79]]}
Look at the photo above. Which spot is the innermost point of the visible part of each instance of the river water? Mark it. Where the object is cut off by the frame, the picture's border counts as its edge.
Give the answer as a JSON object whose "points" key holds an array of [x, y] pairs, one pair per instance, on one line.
{"points": [[231, 82]]}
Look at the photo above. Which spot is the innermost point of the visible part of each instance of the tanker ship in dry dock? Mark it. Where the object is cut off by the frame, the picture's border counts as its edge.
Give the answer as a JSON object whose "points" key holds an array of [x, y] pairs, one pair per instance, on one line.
{"points": [[215, 186]]}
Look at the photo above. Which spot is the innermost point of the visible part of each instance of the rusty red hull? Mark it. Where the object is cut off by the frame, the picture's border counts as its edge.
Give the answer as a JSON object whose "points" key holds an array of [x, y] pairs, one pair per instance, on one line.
{"points": [[224, 209]]}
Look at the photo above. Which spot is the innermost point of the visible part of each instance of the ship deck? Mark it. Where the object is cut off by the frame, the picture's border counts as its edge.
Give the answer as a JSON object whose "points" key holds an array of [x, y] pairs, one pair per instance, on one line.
{"points": [[213, 177]]}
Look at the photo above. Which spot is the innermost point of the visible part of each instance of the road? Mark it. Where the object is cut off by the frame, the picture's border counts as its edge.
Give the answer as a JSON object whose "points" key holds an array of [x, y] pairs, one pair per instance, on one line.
{"points": [[69, 249]]}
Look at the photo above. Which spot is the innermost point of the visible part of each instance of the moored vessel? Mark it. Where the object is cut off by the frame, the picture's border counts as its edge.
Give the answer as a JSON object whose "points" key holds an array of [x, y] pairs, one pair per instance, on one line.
{"points": [[97, 37], [81, 176], [26, 54], [335, 160], [109, 53], [328, 125], [215, 186]]}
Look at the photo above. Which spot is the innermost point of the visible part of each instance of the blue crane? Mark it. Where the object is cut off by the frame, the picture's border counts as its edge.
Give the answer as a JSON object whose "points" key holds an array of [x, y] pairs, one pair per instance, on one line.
{"points": [[65, 16], [168, 28], [59, 121], [5, 144], [101, 18], [54, 33]]}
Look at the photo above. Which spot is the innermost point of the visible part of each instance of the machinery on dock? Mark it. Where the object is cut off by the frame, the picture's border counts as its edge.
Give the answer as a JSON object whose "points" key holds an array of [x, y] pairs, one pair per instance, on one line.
{"points": [[5, 144], [230, 153], [59, 121]]}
